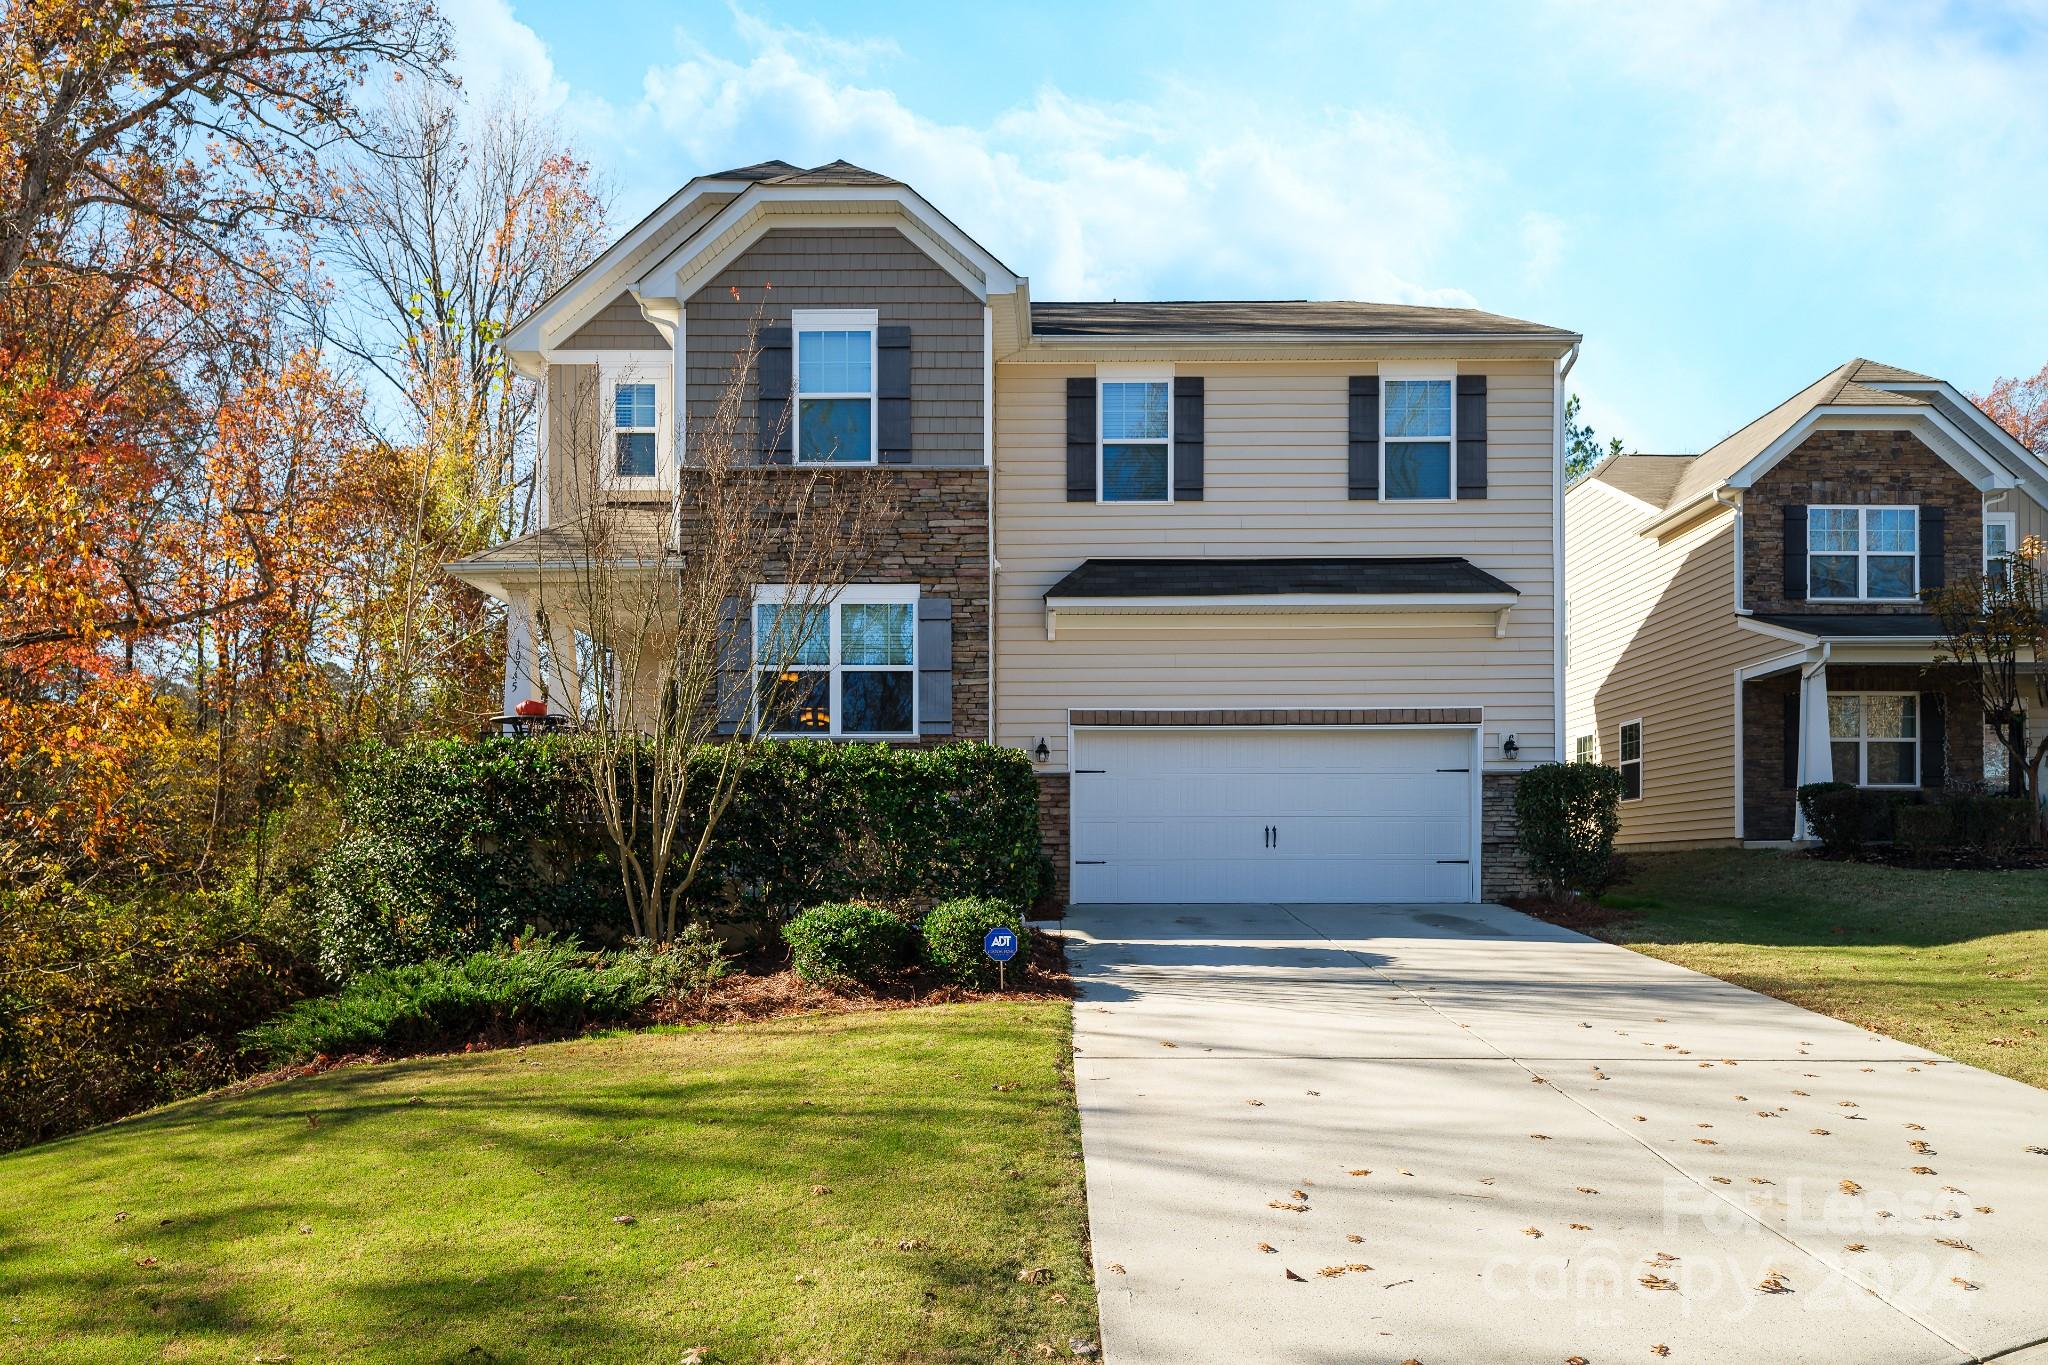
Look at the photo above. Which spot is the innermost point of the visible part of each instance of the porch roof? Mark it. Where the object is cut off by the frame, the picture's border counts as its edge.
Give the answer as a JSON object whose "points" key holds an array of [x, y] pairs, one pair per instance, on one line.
{"points": [[1872, 626]]}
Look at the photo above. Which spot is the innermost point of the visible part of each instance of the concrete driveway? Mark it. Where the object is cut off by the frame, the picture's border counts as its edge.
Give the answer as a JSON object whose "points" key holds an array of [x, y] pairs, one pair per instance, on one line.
{"points": [[1455, 1134]]}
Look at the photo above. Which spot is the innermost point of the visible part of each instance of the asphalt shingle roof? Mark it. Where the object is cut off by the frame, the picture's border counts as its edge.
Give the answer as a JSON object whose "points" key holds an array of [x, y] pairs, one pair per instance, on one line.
{"points": [[1254, 317], [1206, 577], [1869, 626]]}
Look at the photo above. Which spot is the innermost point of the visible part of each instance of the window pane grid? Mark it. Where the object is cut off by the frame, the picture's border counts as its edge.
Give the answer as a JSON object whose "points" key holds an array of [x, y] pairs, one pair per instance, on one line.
{"points": [[843, 670], [1136, 455], [835, 386], [1862, 553], [1874, 738]]}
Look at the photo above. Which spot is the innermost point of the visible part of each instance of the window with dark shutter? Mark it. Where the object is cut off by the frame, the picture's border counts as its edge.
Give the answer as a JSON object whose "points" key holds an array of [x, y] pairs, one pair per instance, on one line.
{"points": [[1081, 439], [1187, 438], [1471, 436], [935, 665], [771, 407], [735, 665], [1364, 443], [1933, 548], [892, 394], [1795, 554]]}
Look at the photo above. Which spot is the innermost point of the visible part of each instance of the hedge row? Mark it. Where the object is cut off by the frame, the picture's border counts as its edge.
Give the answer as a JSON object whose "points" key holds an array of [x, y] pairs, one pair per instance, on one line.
{"points": [[1847, 819], [451, 846]]}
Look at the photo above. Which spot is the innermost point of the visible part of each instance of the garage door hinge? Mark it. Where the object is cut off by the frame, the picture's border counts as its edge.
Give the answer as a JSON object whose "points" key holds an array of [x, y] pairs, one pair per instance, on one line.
{"points": [[1441, 861]]}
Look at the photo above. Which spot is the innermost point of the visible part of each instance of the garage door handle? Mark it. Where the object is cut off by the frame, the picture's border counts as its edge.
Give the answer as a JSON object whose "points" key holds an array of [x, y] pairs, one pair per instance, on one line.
{"points": [[1454, 770], [1091, 862], [1466, 861], [1085, 772]]}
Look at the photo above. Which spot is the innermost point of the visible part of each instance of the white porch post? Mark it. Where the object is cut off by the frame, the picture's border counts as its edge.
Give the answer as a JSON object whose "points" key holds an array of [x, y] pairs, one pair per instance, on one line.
{"points": [[1816, 755], [522, 666], [564, 679]]}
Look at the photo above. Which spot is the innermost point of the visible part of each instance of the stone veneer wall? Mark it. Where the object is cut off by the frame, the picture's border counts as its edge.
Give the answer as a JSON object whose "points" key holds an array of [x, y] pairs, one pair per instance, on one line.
{"points": [[1854, 468], [1504, 866], [1054, 812], [937, 539]]}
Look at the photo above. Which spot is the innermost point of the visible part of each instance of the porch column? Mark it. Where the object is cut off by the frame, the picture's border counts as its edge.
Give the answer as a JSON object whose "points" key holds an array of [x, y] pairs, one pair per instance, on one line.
{"points": [[1816, 756], [522, 666], [564, 678]]}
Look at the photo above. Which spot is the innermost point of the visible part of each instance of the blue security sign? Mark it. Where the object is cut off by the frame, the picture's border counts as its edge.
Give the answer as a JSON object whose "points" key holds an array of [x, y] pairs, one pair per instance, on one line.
{"points": [[1000, 944]]}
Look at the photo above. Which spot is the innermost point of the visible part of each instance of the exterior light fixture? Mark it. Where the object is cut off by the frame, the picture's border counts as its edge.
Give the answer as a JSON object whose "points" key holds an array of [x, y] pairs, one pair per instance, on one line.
{"points": [[1043, 753], [1509, 747]]}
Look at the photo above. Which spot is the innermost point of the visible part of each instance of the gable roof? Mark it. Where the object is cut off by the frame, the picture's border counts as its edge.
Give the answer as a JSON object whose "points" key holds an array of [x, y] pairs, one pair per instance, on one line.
{"points": [[1649, 478], [1844, 386], [1270, 317]]}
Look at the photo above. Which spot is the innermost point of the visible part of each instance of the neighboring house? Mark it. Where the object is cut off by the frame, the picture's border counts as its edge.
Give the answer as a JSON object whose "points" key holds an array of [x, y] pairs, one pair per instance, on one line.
{"points": [[1748, 620], [1267, 590]]}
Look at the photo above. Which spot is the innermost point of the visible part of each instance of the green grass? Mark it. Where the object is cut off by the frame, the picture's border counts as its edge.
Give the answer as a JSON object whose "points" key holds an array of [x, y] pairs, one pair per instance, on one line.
{"points": [[1953, 961], [462, 1208]]}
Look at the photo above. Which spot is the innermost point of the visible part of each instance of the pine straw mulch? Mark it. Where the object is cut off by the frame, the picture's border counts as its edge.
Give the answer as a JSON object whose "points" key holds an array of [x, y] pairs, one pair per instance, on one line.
{"points": [[1583, 916]]}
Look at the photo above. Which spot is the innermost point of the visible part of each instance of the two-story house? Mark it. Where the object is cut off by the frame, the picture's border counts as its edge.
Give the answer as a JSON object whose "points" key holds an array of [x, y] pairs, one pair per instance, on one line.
{"points": [[1748, 620], [1267, 590]]}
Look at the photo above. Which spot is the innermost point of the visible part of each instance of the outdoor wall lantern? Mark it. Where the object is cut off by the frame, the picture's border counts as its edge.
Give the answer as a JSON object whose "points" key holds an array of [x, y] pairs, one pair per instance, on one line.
{"points": [[1509, 747], [1043, 753]]}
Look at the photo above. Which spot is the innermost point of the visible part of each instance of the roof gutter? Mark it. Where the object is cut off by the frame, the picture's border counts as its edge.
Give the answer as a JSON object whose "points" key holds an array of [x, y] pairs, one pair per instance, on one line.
{"points": [[1048, 339]]}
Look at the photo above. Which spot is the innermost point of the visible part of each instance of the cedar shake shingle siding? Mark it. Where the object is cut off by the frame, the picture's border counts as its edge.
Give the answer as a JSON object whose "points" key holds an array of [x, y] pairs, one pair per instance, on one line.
{"points": [[852, 267], [618, 326], [1854, 468]]}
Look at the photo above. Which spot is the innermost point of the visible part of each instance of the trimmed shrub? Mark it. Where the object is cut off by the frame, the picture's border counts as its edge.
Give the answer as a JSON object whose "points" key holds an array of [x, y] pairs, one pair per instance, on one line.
{"points": [[1846, 819], [1995, 825], [685, 965], [1927, 828], [951, 938], [451, 846], [1567, 815], [850, 942], [536, 985]]}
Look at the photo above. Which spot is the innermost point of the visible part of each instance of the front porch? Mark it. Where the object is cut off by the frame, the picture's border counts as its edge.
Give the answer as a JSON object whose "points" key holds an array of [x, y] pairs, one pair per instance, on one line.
{"points": [[1874, 714]]}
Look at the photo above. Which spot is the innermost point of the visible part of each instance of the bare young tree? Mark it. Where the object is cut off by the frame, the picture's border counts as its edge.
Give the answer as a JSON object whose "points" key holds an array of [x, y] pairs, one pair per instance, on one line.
{"points": [[690, 672], [1996, 626]]}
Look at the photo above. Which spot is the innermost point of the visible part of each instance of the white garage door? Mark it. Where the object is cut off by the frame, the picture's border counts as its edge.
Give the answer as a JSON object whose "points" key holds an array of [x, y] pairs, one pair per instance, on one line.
{"points": [[1230, 815]]}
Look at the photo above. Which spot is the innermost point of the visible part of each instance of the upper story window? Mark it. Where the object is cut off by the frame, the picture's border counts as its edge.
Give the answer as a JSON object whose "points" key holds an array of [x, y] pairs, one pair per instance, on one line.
{"points": [[835, 386], [1630, 748], [1999, 542], [1136, 445], [634, 387], [844, 669], [1415, 449], [1862, 553]]}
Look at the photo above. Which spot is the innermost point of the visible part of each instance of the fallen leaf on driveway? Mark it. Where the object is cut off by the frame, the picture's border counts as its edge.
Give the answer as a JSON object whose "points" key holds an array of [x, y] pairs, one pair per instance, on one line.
{"points": [[1283, 1204], [1922, 1170], [1657, 1282], [1706, 1142], [1802, 1093], [1959, 1280], [1532, 1232], [1296, 1278], [1921, 1147], [1256, 1104], [1720, 1180], [1359, 1266], [2038, 1151], [1116, 1268], [1664, 1258], [1983, 1208], [1854, 1246], [1574, 1360], [1540, 1137], [1915, 1128], [1660, 1349], [1774, 1283], [1587, 1189], [1851, 1187], [1166, 1044], [1642, 1118], [1759, 1180], [1818, 1132], [1299, 1194], [1581, 1227], [1331, 1272], [1268, 1247], [1362, 1170], [1953, 1244]]}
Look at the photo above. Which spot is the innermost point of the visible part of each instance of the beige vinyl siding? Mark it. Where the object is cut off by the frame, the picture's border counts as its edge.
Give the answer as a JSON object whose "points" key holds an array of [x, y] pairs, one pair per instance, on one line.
{"points": [[1654, 637], [2030, 519], [573, 435], [1275, 484]]}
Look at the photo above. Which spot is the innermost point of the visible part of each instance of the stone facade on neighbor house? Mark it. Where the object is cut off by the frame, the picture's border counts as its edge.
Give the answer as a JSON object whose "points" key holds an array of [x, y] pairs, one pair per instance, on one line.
{"points": [[1504, 864], [1055, 793], [1855, 468]]}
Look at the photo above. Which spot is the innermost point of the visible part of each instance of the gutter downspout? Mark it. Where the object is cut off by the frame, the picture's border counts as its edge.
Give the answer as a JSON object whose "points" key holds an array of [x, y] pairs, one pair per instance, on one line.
{"points": [[988, 460], [1557, 579], [1736, 508]]}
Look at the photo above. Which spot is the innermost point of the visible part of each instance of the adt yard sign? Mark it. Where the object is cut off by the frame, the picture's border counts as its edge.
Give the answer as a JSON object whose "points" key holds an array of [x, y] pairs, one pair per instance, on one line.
{"points": [[1000, 945]]}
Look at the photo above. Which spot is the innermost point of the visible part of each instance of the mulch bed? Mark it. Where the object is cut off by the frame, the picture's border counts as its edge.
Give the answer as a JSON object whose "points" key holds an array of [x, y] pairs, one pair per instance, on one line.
{"points": [[1584, 916]]}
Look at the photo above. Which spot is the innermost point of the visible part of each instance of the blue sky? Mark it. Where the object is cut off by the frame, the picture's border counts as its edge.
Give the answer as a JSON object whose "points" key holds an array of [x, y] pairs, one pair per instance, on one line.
{"points": [[1727, 199]]}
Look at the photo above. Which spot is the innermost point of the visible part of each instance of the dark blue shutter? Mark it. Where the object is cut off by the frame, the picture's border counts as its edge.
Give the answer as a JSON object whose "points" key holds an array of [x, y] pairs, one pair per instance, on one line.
{"points": [[772, 417], [735, 665], [1795, 554], [892, 395], [1081, 440], [1187, 438], [935, 665], [1365, 438], [1933, 548], [1472, 436]]}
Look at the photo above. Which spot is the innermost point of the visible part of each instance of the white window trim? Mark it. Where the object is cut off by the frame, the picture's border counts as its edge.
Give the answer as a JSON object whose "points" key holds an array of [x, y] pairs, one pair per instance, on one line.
{"points": [[636, 367], [1864, 740], [1862, 552], [1132, 374], [1390, 374], [803, 320], [1591, 743], [2011, 522], [1621, 764], [857, 594]]}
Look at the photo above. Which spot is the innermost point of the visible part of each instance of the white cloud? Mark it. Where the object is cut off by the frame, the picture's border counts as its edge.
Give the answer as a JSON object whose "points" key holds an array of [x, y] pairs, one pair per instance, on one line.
{"points": [[1543, 244], [1096, 199], [500, 59]]}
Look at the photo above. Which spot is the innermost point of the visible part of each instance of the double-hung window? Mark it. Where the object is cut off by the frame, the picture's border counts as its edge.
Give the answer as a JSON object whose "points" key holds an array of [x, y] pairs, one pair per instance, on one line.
{"points": [[1584, 750], [1862, 554], [1136, 444], [844, 667], [1999, 528], [1631, 762], [634, 393], [835, 386], [1416, 444], [1875, 738]]}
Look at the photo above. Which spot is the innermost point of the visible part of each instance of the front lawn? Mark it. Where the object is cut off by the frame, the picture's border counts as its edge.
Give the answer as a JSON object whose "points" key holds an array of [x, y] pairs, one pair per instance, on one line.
{"points": [[846, 1187], [1953, 961]]}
